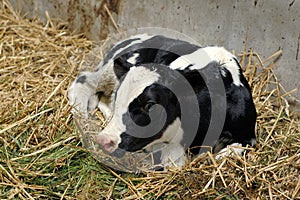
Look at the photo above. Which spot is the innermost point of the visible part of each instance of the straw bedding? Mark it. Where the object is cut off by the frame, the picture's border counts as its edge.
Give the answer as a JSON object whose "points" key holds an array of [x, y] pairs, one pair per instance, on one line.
{"points": [[41, 156]]}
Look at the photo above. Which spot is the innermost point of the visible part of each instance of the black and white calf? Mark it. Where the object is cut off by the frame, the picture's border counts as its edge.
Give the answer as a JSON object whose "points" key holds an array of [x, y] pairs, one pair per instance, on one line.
{"points": [[205, 98]]}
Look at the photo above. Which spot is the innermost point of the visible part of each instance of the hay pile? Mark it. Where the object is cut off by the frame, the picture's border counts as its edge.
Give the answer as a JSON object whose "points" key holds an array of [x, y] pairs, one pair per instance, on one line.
{"points": [[41, 156]]}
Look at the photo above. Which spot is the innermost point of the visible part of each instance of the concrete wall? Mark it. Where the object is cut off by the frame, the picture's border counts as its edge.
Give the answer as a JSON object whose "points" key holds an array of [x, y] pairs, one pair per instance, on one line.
{"points": [[270, 25]]}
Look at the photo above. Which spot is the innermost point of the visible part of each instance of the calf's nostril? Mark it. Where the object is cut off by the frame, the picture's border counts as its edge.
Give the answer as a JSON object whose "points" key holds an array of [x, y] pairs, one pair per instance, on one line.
{"points": [[105, 143], [109, 146]]}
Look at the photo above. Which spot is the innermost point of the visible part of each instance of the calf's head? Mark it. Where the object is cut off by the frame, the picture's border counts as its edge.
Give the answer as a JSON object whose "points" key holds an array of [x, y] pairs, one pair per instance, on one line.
{"points": [[143, 111]]}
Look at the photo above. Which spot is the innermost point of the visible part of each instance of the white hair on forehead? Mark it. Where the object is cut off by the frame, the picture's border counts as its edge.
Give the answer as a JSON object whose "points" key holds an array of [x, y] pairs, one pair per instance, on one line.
{"points": [[134, 83]]}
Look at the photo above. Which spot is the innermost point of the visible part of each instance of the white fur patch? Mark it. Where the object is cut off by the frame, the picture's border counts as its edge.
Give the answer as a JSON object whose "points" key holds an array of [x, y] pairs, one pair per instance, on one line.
{"points": [[172, 152], [198, 59], [173, 155], [82, 95], [173, 134], [132, 59], [230, 150], [134, 83], [226, 59], [141, 38], [202, 57], [105, 109]]}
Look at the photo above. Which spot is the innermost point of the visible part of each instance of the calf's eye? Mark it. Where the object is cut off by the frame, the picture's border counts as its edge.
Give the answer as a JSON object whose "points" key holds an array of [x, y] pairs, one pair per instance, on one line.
{"points": [[149, 105]]}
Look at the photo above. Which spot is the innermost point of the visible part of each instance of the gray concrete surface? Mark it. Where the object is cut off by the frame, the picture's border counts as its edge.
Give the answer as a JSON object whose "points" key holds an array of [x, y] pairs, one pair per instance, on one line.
{"points": [[269, 24]]}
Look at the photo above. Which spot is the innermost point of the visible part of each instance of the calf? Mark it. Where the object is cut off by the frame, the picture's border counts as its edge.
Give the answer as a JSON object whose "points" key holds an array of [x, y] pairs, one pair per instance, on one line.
{"points": [[163, 96]]}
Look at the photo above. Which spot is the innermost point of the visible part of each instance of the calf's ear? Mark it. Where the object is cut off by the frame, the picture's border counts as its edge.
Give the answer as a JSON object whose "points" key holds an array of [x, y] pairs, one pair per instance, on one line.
{"points": [[121, 67]]}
